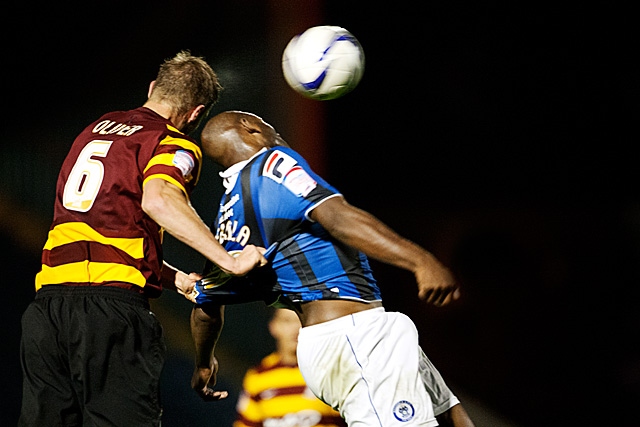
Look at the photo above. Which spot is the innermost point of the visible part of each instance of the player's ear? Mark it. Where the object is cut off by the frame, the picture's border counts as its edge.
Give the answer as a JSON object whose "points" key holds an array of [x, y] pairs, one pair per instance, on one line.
{"points": [[279, 141], [249, 127], [195, 113], [151, 86]]}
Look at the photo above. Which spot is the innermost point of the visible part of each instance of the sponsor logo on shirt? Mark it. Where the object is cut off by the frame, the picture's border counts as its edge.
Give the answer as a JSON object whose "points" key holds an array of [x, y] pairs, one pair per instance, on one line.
{"points": [[284, 169]]}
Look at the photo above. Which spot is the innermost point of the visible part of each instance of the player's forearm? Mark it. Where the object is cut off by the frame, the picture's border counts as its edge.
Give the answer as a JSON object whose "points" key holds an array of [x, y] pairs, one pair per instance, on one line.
{"points": [[381, 243], [363, 231], [206, 326]]}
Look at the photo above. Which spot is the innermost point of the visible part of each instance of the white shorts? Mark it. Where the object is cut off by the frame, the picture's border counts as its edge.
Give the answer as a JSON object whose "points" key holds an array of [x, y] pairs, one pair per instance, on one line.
{"points": [[370, 367]]}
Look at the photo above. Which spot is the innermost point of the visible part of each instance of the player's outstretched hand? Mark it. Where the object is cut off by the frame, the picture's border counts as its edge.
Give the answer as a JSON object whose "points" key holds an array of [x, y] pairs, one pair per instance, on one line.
{"points": [[203, 380], [436, 284]]}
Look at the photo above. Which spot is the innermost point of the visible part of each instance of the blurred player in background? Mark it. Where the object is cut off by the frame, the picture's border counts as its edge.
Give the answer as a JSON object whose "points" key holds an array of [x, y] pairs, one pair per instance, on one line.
{"points": [[355, 356], [274, 392], [91, 350]]}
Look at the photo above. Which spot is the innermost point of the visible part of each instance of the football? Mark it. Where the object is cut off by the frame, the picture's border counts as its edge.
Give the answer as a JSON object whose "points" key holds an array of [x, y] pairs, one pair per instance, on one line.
{"points": [[323, 62]]}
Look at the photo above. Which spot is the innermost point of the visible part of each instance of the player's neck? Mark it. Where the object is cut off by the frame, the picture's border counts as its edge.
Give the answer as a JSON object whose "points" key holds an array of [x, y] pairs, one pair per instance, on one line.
{"points": [[164, 110]]}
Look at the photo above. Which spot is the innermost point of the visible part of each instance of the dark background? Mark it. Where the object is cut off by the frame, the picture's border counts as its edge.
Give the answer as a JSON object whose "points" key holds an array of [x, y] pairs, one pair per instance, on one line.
{"points": [[499, 136]]}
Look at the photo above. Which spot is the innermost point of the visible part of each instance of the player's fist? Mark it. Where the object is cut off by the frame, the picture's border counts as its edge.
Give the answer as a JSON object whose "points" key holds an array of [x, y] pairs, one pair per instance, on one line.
{"points": [[186, 285], [436, 283], [251, 256]]}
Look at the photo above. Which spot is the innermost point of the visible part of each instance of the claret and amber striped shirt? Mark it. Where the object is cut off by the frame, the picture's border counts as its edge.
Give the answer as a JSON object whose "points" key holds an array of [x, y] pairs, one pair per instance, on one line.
{"points": [[100, 235], [275, 395]]}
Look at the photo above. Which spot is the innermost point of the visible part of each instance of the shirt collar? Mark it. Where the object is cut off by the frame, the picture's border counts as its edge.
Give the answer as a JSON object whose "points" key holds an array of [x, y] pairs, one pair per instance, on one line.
{"points": [[230, 175]]}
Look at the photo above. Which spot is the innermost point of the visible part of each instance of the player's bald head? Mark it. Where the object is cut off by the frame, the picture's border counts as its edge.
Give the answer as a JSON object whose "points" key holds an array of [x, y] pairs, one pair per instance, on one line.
{"points": [[233, 136]]}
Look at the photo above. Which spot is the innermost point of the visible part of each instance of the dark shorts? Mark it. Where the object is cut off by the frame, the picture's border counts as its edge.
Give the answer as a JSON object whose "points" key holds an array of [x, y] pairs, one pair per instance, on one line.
{"points": [[91, 356]]}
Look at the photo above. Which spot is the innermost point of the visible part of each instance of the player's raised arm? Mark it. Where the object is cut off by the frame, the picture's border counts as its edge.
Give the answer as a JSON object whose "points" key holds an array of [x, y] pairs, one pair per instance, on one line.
{"points": [[166, 204], [363, 231]]}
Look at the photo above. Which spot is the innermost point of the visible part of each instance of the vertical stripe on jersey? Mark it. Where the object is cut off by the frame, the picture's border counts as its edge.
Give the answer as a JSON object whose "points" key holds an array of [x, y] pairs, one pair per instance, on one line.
{"points": [[359, 273], [250, 212], [298, 261]]}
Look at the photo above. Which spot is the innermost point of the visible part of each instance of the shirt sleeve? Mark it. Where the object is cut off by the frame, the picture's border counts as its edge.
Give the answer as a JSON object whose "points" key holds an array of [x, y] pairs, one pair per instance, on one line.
{"points": [[176, 160], [300, 187]]}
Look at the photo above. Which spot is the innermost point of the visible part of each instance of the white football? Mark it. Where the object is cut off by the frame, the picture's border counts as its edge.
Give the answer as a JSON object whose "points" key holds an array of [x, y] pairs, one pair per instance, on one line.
{"points": [[323, 62]]}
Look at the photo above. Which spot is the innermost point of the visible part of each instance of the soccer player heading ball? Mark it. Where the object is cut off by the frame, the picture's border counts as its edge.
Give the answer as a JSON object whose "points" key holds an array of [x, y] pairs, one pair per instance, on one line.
{"points": [[354, 355]]}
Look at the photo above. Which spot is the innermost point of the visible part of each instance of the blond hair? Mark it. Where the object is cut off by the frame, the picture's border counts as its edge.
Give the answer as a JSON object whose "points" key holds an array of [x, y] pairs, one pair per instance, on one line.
{"points": [[186, 81]]}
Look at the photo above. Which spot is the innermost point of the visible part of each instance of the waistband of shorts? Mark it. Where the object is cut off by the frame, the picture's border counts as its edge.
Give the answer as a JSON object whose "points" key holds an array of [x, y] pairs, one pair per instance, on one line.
{"points": [[112, 292], [342, 323]]}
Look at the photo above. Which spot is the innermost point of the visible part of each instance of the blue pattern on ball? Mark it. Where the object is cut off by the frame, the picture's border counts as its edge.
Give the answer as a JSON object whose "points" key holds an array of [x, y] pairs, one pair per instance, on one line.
{"points": [[315, 84]]}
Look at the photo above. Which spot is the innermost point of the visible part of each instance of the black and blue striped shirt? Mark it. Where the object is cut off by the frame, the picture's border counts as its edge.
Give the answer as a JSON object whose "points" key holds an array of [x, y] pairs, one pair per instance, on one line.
{"points": [[267, 203]]}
